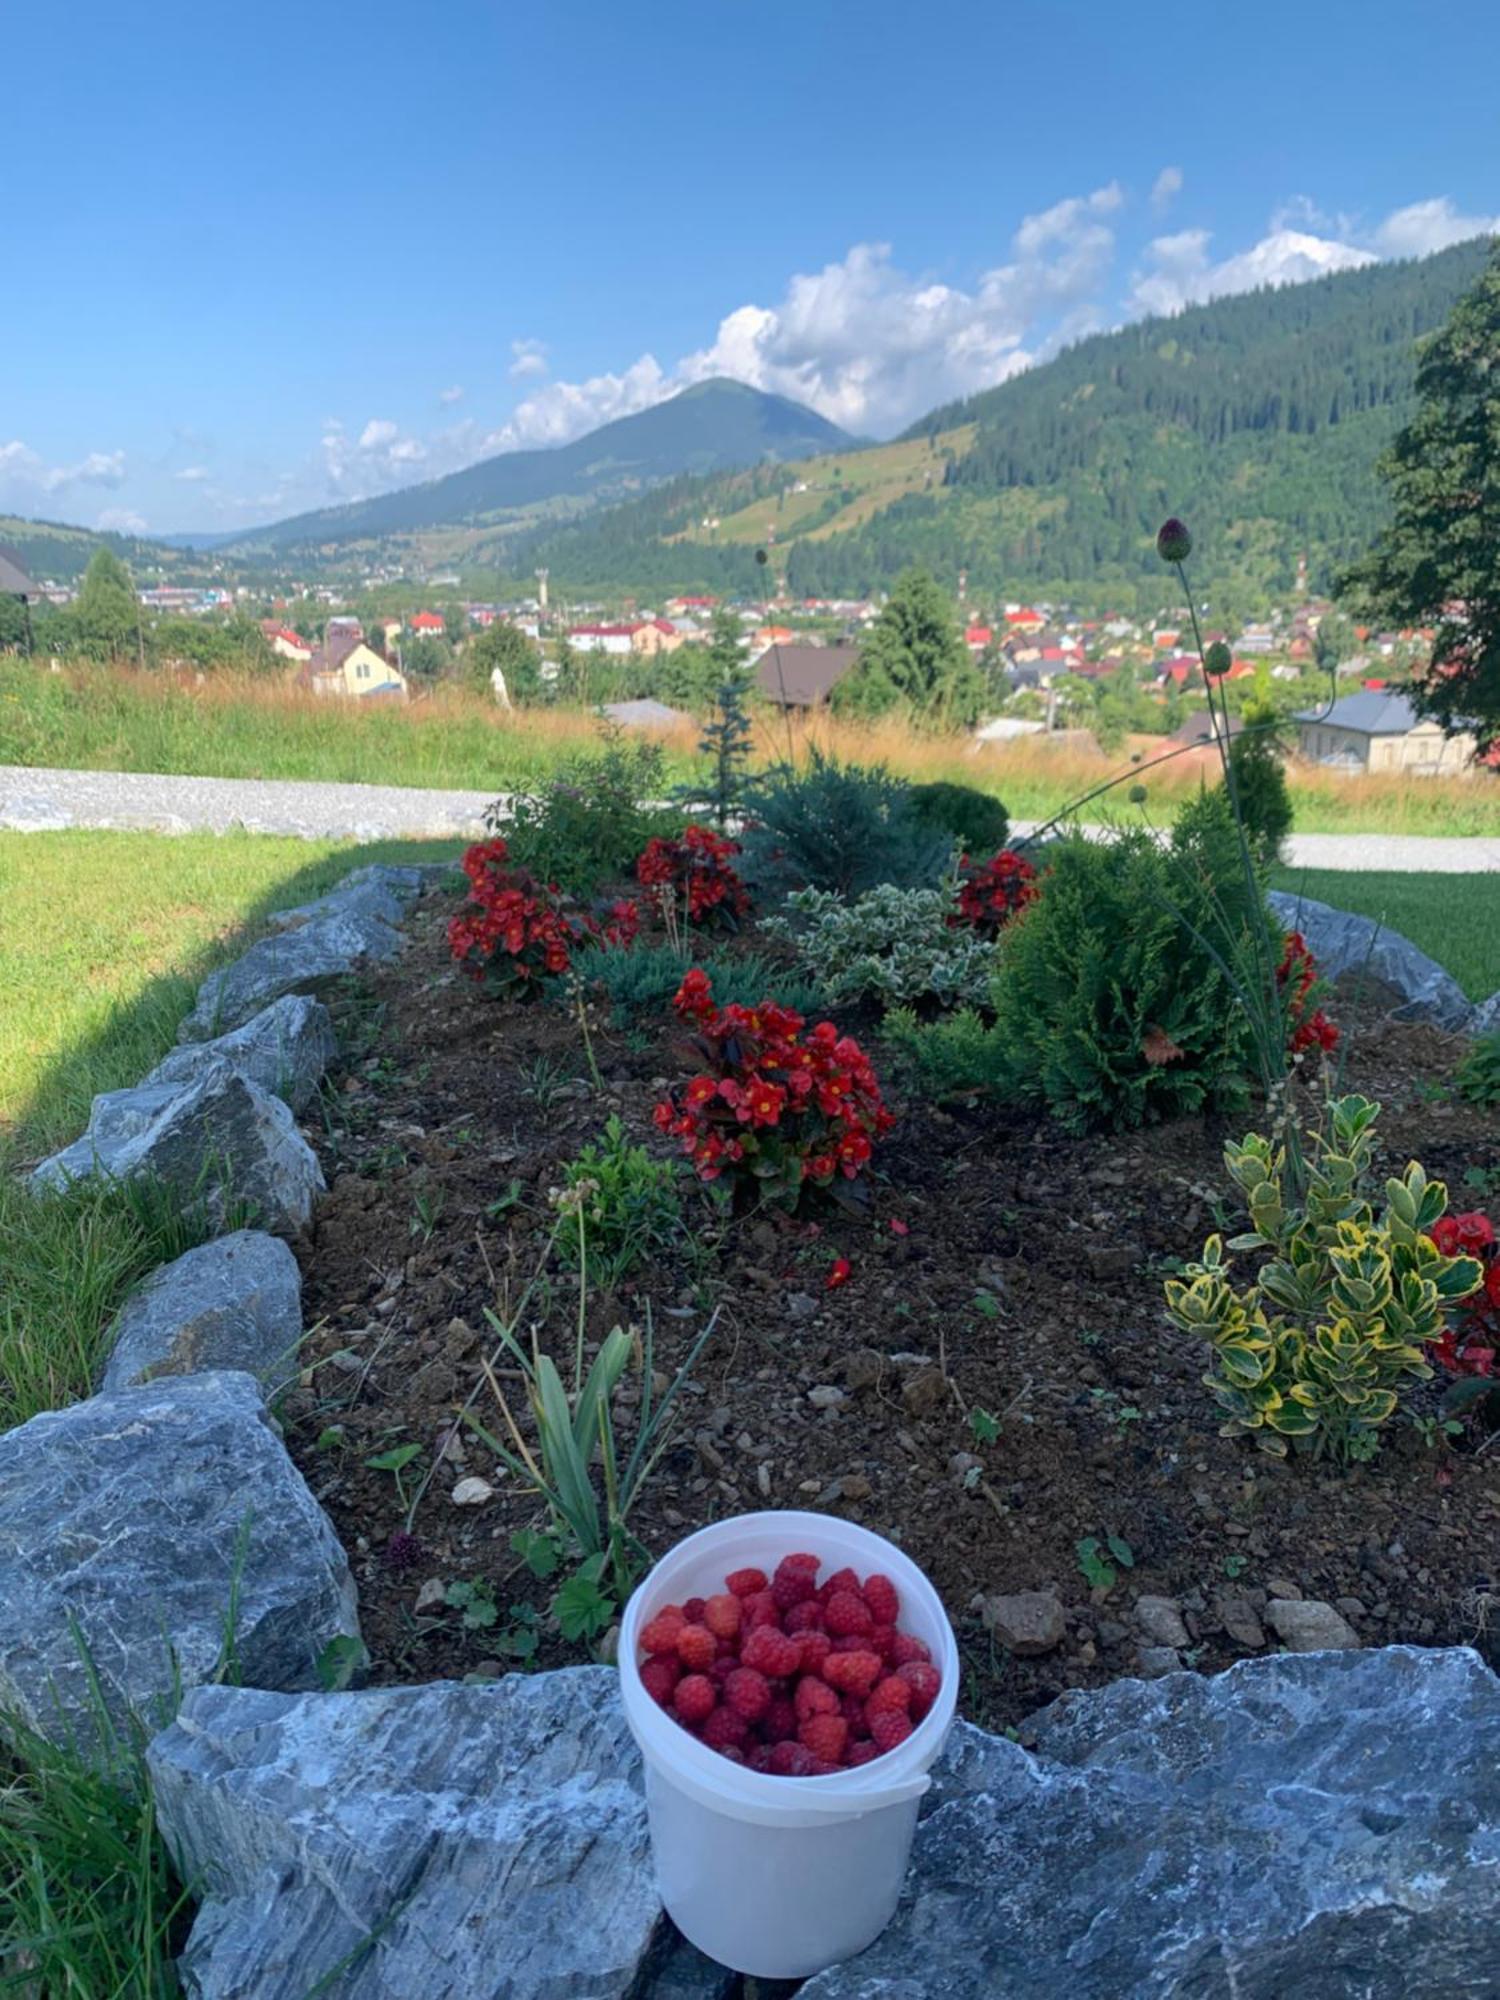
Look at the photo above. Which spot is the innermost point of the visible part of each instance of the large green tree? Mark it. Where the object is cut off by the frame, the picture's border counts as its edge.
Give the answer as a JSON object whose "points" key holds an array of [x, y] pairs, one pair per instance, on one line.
{"points": [[106, 617], [504, 646], [1438, 563], [914, 659]]}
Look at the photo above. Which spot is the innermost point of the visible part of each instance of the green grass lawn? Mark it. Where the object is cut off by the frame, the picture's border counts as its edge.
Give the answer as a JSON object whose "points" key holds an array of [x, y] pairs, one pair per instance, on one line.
{"points": [[1453, 918]]}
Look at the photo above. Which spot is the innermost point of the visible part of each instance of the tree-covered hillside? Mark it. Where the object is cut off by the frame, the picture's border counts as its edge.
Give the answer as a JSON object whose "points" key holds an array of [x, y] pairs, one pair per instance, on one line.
{"points": [[1260, 418]]}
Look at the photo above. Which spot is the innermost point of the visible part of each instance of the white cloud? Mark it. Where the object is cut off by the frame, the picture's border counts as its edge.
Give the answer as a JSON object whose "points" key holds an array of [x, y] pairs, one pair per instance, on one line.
{"points": [[377, 432], [528, 357], [26, 480], [565, 410], [1166, 186], [453, 395], [1180, 271], [194, 474], [1425, 226], [121, 521], [97, 468]]}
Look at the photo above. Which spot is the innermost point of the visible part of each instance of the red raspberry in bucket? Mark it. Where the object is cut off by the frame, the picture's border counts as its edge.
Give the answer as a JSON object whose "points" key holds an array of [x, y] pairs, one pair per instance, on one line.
{"points": [[746, 1582], [925, 1681], [771, 1652], [845, 1616], [660, 1635], [890, 1729], [724, 1728], [747, 1693], [882, 1600], [907, 1647], [722, 1615], [659, 1676], [827, 1736], [695, 1699], [890, 1696], [697, 1648], [814, 1697], [853, 1673]]}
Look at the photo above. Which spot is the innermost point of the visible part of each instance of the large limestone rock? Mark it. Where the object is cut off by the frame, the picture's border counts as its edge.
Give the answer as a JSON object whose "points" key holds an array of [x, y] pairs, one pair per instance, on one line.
{"points": [[220, 1140], [1343, 943], [235, 1302], [302, 960], [480, 1841], [285, 1048], [1325, 1825], [131, 1525]]}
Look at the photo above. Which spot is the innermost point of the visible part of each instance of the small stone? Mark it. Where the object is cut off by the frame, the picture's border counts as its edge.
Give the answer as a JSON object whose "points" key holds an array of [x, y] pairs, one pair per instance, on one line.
{"points": [[472, 1492], [1161, 1621], [1112, 1260], [827, 1396], [801, 1305], [854, 1486], [1028, 1623], [863, 1369], [1154, 1661], [1309, 1626], [925, 1392], [1350, 1608], [1237, 1616], [433, 1593], [1279, 1586], [763, 1480]]}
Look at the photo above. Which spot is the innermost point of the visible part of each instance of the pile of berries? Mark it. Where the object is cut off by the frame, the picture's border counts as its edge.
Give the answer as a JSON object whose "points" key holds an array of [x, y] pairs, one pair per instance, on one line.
{"points": [[789, 1676]]}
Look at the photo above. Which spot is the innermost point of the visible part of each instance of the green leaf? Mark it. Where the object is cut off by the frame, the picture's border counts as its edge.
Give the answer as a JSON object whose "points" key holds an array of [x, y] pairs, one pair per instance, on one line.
{"points": [[1122, 1552], [581, 1608], [393, 1460], [340, 1660], [538, 1552]]}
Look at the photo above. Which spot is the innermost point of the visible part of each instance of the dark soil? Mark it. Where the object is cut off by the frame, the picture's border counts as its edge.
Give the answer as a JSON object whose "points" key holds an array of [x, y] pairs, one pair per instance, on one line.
{"points": [[1003, 1268]]}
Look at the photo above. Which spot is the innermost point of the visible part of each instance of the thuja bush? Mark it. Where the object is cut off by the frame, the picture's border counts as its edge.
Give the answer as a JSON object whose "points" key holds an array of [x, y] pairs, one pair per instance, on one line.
{"points": [[841, 827], [1318, 1349], [973, 820], [1478, 1077], [1115, 997], [890, 945], [961, 1055], [776, 1108]]}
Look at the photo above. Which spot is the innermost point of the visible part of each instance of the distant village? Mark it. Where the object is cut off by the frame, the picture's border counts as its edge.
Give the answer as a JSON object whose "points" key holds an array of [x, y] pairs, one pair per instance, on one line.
{"points": [[1043, 660]]}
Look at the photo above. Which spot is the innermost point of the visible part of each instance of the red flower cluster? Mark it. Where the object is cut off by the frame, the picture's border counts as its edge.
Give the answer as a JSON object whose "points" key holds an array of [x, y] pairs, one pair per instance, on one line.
{"points": [[775, 1109], [990, 892], [1470, 1343], [623, 926], [1296, 976], [513, 931], [698, 868]]}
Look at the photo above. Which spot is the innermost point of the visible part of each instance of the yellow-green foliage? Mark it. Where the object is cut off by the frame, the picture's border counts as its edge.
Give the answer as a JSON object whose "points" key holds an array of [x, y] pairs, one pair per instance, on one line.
{"points": [[1318, 1349]]}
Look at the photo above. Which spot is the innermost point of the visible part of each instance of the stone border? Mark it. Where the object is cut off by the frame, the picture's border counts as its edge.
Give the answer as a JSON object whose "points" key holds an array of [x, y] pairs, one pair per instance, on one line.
{"points": [[1297, 1823]]}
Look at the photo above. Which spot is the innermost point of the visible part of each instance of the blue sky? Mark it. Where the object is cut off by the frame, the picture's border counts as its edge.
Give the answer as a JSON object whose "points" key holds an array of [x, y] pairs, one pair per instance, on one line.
{"points": [[259, 260]]}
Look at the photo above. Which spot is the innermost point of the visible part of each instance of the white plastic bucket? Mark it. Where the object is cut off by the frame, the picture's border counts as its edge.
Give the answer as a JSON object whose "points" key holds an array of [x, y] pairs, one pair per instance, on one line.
{"points": [[780, 1877]]}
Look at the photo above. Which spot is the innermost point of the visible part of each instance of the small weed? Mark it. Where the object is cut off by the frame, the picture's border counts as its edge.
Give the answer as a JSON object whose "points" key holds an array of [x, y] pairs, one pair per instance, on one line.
{"points": [[1485, 1181], [476, 1600], [1099, 1573], [503, 1203], [395, 1462], [986, 1305], [1235, 1566], [331, 1438], [1437, 1431], [340, 1660], [428, 1205], [1107, 1404], [582, 1607], [544, 1080], [985, 1428]]}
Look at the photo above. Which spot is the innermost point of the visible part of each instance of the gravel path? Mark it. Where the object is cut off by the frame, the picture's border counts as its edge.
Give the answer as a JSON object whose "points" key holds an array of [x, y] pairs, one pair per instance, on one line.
{"points": [[34, 801]]}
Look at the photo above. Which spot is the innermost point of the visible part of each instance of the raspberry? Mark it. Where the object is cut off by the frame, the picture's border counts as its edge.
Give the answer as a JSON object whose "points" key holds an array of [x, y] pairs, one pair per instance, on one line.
{"points": [[659, 1676], [854, 1714], [825, 1735], [882, 1643], [924, 1681], [722, 1616], [695, 1698], [723, 1667], [823, 1769], [882, 1599], [814, 1697], [660, 1635], [907, 1647], [804, 1617], [816, 1646], [861, 1753], [810, 1564], [791, 1587], [760, 1757], [759, 1610], [792, 1760], [732, 1752], [891, 1696], [697, 1648], [745, 1582], [852, 1673], [890, 1729], [844, 1615], [771, 1652], [724, 1728], [748, 1693], [842, 1579], [780, 1720], [693, 1610]]}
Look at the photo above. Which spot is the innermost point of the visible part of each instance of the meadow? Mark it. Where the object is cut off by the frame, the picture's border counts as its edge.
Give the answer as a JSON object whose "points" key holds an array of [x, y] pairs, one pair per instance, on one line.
{"points": [[233, 726]]}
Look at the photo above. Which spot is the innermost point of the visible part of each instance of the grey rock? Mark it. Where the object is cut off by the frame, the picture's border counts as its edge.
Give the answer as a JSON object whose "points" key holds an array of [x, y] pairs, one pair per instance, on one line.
{"points": [[1307, 1625], [1486, 1016], [285, 1048], [1028, 1623], [304, 960], [1293, 1826], [1152, 1662], [235, 1302], [1237, 1616], [220, 1140], [134, 1518], [481, 1841], [366, 899], [1161, 1621], [1343, 943]]}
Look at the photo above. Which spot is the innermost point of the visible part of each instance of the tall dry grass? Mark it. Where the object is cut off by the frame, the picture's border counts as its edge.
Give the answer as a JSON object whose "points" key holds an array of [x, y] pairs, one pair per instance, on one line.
{"points": [[229, 725]]}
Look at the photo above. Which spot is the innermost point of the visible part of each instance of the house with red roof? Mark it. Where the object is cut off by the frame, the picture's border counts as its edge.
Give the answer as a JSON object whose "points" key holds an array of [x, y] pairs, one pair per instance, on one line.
{"points": [[1024, 619], [428, 624], [284, 641], [978, 637]]}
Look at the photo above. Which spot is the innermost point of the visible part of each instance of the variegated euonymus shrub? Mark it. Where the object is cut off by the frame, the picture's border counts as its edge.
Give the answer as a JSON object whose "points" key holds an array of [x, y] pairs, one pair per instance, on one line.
{"points": [[1317, 1349], [891, 944]]}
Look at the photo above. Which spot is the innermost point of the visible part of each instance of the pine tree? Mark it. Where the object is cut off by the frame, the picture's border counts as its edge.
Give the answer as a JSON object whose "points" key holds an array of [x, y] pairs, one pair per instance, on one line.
{"points": [[106, 617], [915, 659], [726, 733], [1438, 563]]}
